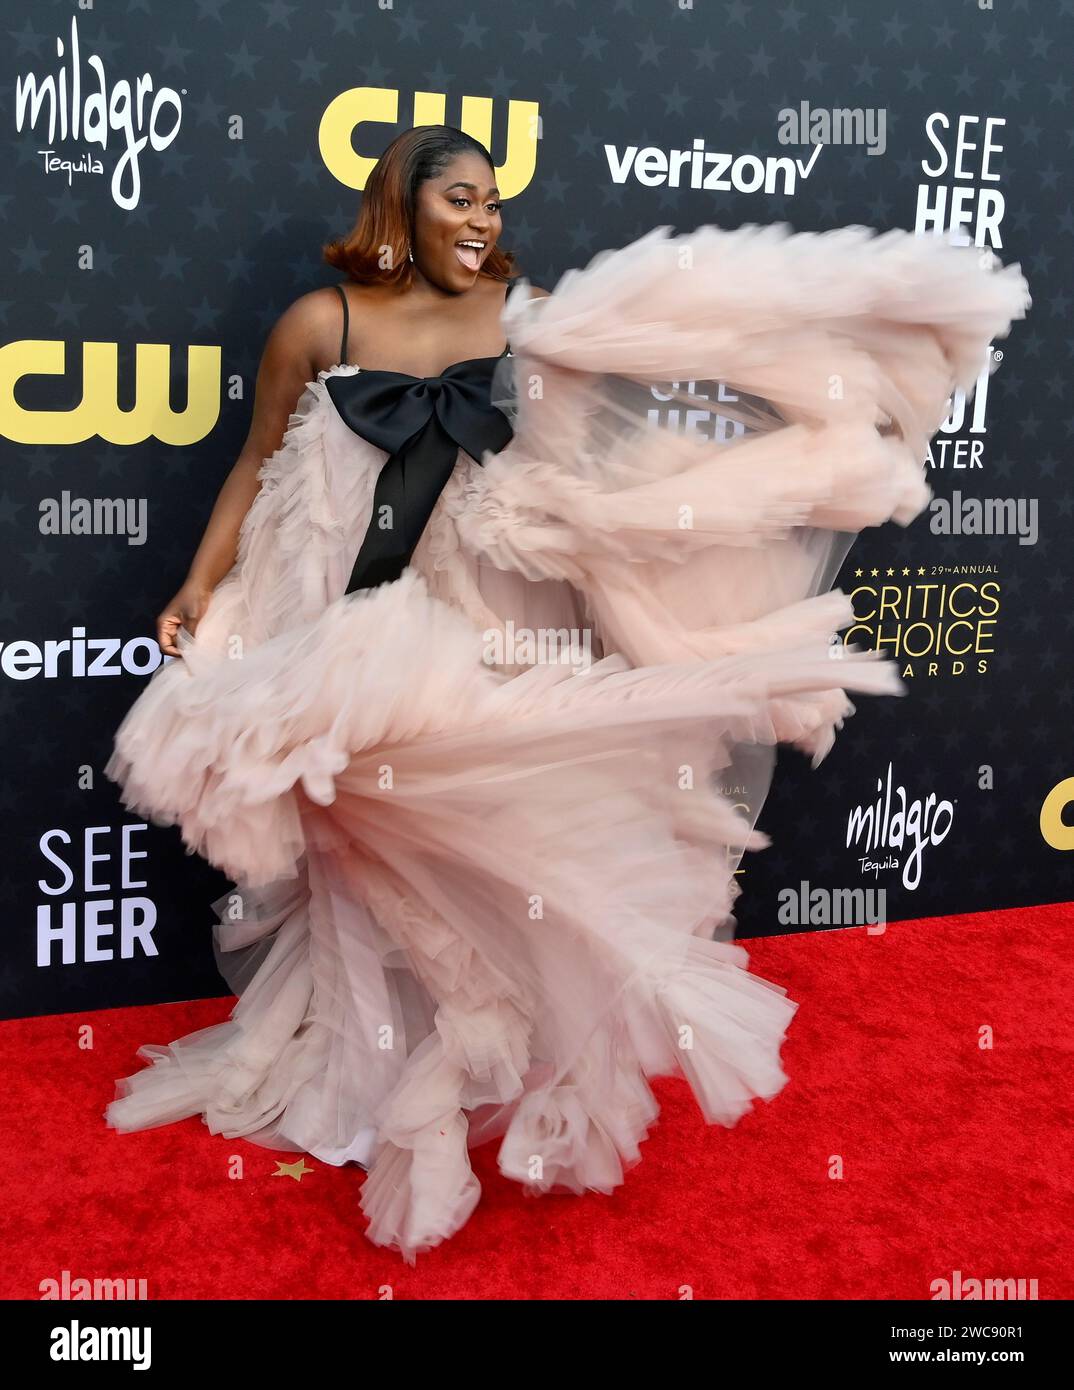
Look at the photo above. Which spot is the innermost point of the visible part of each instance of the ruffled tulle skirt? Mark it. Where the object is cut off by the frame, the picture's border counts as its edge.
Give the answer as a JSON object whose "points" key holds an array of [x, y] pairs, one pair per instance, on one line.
{"points": [[473, 907]]}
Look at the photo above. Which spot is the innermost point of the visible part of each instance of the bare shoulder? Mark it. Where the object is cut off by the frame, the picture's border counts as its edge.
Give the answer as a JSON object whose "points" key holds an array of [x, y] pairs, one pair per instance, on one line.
{"points": [[307, 333], [315, 310], [302, 342], [537, 293]]}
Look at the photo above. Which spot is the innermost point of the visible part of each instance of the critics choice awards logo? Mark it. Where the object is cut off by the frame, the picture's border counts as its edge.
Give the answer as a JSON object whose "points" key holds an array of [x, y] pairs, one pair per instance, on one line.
{"points": [[935, 620]]}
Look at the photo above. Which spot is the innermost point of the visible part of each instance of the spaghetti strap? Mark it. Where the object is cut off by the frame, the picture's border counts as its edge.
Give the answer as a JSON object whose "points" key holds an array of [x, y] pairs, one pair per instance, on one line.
{"points": [[346, 325], [511, 284]]}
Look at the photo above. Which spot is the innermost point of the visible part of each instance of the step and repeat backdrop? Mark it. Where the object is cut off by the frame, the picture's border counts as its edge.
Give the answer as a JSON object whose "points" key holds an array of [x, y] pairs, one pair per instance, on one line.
{"points": [[173, 175]]}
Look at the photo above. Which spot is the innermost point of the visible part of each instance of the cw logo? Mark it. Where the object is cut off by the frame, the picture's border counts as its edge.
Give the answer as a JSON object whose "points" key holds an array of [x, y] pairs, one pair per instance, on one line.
{"points": [[98, 413], [1055, 830], [380, 105]]}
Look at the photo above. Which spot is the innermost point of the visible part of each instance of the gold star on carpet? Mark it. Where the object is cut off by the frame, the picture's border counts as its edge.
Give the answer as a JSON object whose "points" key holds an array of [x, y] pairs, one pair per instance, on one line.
{"points": [[292, 1170]]}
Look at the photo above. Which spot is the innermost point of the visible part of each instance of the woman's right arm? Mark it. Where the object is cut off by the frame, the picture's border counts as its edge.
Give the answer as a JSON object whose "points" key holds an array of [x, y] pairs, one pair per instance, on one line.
{"points": [[292, 351]]}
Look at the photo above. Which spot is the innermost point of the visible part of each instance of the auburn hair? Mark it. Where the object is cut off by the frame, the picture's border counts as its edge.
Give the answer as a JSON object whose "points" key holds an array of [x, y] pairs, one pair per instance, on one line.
{"points": [[384, 226]]}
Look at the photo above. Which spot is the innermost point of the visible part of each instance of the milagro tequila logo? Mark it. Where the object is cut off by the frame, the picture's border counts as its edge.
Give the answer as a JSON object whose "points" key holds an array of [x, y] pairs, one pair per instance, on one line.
{"points": [[894, 823], [81, 109]]}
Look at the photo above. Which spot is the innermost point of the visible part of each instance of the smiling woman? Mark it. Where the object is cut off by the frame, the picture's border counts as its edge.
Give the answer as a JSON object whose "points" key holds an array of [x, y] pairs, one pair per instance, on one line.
{"points": [[478, 895], [461, 205], [423, 264], [431, 190]]}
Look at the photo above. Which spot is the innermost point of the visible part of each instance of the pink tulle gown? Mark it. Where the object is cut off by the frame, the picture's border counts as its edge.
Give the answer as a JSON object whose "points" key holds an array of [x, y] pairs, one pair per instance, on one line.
{"points": [[456, 721]]}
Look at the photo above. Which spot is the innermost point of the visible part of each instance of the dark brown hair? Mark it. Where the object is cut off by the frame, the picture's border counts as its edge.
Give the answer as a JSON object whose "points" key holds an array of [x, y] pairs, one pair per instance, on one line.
{"points": [[386, 217]]}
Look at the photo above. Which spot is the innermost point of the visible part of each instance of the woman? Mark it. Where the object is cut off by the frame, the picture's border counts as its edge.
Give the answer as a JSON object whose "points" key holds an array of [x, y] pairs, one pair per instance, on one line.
{"points": [[479, 875]]}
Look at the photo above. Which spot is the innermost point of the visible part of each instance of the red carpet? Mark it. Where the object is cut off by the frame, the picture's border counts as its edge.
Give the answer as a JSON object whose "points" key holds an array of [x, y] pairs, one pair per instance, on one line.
{"points": [[954, 1156]]}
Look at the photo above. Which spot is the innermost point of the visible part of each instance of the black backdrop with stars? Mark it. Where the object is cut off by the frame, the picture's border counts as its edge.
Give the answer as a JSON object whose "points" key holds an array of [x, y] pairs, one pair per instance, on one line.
{"points": [[223, 230]]}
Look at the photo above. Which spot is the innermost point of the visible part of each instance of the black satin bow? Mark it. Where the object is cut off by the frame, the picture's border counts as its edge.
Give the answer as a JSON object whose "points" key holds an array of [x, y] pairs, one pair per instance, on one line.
{"points": [[422, 422]]}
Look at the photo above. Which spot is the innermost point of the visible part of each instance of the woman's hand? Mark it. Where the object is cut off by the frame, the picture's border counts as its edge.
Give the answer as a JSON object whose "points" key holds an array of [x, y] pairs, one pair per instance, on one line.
{"points": [[184, 610]]}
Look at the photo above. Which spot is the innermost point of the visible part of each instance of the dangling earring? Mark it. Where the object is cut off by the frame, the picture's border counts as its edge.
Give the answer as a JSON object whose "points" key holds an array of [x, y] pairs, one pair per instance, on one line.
{"points": [[410, 253]]}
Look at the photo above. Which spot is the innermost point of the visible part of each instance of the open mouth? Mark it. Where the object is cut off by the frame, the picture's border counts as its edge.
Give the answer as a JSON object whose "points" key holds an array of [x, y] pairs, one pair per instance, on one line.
{"points": [[470, 252]]}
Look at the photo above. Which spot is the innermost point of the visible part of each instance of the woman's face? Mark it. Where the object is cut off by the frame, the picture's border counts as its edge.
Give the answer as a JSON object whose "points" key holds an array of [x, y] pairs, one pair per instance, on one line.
{"points": [[459, 205]]}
